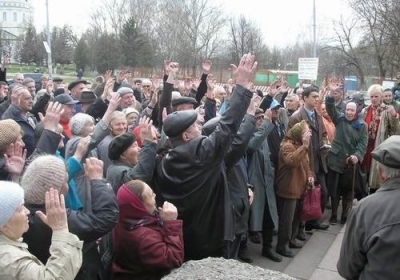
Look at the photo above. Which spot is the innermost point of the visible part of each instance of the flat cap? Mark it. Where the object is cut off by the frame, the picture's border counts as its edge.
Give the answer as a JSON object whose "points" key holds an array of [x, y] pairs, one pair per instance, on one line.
{"points": [[177, 122], [120, 144], [183, 100], [388, 152], [75, 83], [124, 90], [210, 125], [65, 99]]}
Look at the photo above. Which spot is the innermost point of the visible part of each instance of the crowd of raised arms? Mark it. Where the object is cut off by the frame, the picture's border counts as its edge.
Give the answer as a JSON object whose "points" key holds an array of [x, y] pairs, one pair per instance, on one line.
{"points": [[128, 178]]}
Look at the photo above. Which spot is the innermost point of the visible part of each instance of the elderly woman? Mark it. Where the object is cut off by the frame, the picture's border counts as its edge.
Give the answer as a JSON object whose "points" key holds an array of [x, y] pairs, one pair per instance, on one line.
{"points": [[292, 177], [16, 261], [348, 147], [382, 121], [147, 242], [89, 226]]}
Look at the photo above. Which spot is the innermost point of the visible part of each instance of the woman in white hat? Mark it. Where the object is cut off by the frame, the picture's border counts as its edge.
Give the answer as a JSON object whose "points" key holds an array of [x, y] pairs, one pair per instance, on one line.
{"points": [[16, 261]]}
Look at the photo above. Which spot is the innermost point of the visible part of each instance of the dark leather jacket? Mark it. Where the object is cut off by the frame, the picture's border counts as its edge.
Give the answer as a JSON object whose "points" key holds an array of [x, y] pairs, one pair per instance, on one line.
{"points": [[194, 180]]}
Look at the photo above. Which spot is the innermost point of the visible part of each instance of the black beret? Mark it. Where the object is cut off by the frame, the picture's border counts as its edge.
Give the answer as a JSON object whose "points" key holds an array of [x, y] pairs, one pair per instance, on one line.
{"points": [[74, 83], [210, 126], [177, 122], [120, 144], [388, 152], [183, 100], [57, 79]]}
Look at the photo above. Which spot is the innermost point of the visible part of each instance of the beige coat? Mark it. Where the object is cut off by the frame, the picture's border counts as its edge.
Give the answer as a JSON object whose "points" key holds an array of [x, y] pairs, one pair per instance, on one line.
{"points": [[17, 263]]}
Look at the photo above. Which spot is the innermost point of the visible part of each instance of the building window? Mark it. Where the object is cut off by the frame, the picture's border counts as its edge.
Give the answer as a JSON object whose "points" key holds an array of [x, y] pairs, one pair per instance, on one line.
{"points": [[4, 16], [15, 16]]}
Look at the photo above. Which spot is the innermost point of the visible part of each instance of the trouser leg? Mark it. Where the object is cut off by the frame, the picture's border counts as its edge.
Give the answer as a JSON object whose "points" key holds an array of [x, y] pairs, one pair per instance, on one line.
{"points": [[287, 211], [267, 227]]}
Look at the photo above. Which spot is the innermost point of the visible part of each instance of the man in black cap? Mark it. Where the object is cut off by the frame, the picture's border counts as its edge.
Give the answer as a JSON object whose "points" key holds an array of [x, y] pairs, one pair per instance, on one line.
{"points": [[193, 174], [371, 243], [87, 98], [76, 89], [128, 164], [57, 83]]}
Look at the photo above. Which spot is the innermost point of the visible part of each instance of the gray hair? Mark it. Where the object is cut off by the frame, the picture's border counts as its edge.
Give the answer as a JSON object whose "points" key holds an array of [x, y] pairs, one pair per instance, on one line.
{"points": [[27, 81], [388, 172]]}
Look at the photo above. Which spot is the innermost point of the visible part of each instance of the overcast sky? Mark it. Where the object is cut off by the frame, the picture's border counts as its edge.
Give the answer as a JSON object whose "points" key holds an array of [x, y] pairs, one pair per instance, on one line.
{"points": [[281, 21]]}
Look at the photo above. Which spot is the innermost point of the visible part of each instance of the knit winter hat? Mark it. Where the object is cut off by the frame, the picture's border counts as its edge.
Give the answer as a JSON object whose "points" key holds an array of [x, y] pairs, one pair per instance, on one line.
{"points": [[11, 196], [78, 122], [10, 131], [43, 173], [296, 131]]}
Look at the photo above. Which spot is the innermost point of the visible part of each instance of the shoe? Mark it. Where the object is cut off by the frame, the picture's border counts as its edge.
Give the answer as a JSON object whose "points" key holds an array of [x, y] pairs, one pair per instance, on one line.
{"points": [[270, 254], [319, 226], [301, 236], [295, 245], [244, 257], [343, 220], [287, 254], [333, 220], [255, 237], [274, 232]]}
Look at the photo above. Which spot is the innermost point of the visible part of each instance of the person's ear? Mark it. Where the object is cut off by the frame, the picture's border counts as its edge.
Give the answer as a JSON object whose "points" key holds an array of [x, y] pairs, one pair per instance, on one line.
{"points": [[185, 136], [380, 174]]}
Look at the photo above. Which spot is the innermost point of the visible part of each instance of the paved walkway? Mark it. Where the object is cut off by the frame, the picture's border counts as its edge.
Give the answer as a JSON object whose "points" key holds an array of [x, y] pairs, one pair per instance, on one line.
{"points": [[315, 261]]}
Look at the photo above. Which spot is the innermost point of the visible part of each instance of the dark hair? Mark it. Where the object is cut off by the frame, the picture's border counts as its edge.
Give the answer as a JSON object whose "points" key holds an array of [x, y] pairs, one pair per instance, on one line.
{"points": [[137, 81], [136, 187], [2, 83], [308, 90]]}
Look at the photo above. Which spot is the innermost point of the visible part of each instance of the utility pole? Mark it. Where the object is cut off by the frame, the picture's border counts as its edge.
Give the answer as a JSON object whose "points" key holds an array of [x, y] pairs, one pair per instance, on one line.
{"points": [[314, 49], [49, 62]]}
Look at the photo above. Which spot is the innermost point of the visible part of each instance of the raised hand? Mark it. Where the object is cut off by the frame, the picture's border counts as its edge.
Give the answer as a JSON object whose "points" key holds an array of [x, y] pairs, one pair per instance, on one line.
{"points": [[206, 66], [107, 75], [114, 101], [210, 83], [168, 212], [14, 158], [146, 130], [82, 147], [56, 214], [166, 66], [52, 118], [268, 115], [244, 72], [93, 168], [108, 87], [254, 103], [305, 137]]}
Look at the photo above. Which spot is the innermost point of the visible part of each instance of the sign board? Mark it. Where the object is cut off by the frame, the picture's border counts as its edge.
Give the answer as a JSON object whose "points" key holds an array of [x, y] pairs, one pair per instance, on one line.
{"points": [[308, 68], [46, 46], [387, 84]]}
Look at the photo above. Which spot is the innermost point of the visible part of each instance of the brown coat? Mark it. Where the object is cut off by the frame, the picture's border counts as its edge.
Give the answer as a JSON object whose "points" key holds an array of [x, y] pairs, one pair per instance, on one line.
{"points": [[293, 170], [300, 115]]}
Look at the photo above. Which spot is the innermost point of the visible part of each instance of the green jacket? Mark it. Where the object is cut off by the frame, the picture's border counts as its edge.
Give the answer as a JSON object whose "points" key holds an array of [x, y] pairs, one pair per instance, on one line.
{"points": [[351, 138]]}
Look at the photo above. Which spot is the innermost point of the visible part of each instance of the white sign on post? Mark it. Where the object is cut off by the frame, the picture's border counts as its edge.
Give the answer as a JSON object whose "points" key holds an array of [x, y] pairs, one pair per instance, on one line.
{"points": [[47, 47], [308, 68]]}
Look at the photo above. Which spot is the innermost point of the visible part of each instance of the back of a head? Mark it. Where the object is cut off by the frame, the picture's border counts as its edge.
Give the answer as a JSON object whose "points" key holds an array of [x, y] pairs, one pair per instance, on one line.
{"points": [[11, 197], [43, 173]]}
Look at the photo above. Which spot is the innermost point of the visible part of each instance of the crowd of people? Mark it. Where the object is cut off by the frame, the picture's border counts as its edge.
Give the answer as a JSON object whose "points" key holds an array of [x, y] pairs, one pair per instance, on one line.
{"points": [[129, 178]]}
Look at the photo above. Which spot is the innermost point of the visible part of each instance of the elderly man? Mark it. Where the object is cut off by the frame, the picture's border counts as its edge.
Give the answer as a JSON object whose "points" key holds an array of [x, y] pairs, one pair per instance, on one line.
{"points": [[21, 104], [76, 89], [18, 78], [193, 174], [29, 83], [292, 103], [370, 248]]}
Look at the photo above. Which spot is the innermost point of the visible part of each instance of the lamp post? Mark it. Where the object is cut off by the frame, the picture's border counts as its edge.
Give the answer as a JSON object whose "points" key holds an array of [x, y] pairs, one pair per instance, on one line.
{"points": [[49, 62], [314, 49]]}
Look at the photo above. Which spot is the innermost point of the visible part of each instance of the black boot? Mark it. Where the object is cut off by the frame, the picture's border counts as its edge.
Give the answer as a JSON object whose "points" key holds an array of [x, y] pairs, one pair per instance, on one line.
{"points": [[270, 254], [243, 254], [335, 206]]}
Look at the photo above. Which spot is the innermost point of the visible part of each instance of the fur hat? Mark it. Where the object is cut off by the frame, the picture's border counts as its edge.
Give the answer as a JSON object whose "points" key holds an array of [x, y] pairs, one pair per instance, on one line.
{"points": [[10, 131], [11, 196], [78, 122], [120, 144], [43, 173]]}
